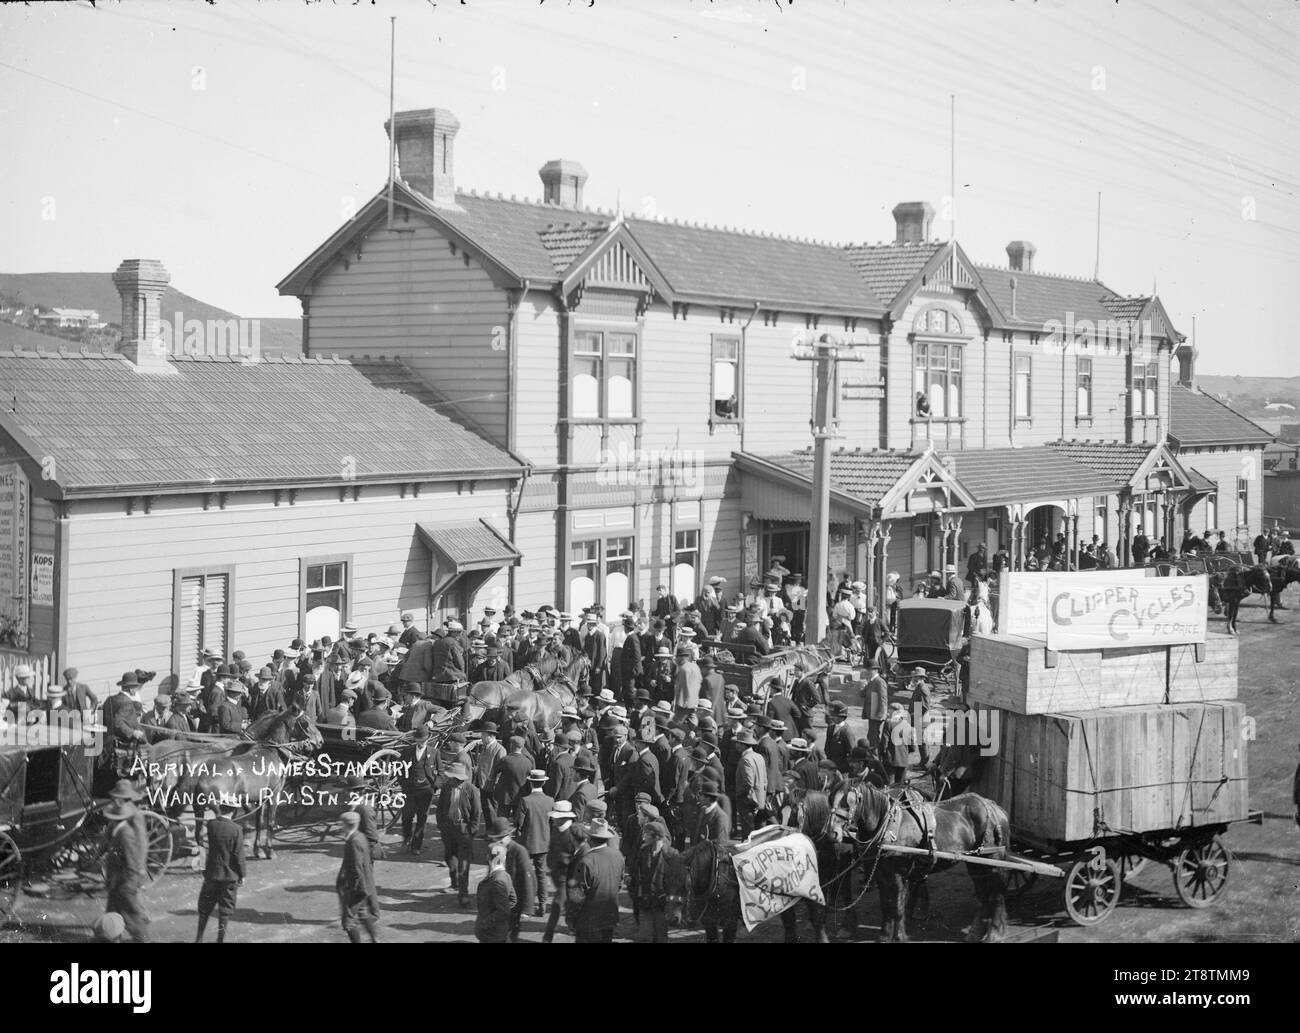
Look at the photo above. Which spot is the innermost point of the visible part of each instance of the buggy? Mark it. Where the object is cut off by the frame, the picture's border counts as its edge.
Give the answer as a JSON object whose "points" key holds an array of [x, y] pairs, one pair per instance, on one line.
{"points": [[930, 636], [51, 824]]}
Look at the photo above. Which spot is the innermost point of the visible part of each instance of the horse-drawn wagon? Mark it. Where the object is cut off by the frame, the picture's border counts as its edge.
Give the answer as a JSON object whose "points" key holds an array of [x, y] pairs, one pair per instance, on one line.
{"points": [[754, 673], [52, 827]]}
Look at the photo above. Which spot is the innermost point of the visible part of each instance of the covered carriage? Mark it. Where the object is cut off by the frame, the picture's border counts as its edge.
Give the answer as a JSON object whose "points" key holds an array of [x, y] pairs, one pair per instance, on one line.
{"points": [[929, 636], [51, 823]]}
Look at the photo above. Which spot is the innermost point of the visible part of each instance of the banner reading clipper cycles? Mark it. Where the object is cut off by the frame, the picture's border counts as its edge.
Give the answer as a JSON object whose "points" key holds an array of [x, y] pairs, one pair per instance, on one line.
{"points": [[1086, 612], [1022, 596]]}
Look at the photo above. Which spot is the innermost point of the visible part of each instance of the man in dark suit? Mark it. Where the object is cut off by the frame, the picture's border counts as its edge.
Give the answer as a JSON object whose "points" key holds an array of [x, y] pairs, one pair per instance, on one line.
{"points": [[752, 635], [677, 783], [584, 789], [418, 780], [782, 708], [533, 824], [714, 821], [459, 814], [358, 898], [839, 739], [510, 777], [630, 663], [641, 777], [594, 882], [223, 873], [519, 867], [596, 648], [78, 694], [775, 753], [359, 797]]}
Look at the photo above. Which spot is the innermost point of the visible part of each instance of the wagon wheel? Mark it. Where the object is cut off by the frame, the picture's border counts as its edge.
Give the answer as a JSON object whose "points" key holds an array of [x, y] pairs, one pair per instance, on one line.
{"points": [[1201, 873], [158, 832], [386, 788], [1092, 889], [11, 874], [1020, 881]]}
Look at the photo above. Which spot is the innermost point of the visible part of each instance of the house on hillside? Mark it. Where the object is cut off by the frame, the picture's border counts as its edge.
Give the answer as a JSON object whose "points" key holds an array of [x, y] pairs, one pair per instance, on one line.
{"points": [[68, 319], [643, 369]]}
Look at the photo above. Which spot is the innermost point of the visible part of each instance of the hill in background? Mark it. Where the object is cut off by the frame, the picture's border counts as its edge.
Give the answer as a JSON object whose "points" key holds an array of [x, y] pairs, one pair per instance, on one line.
{"points": [[96, 290]]}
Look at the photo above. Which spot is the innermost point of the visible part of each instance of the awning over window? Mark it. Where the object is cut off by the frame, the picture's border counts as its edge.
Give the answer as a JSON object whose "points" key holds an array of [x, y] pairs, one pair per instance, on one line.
{"points": [[474, 551]]}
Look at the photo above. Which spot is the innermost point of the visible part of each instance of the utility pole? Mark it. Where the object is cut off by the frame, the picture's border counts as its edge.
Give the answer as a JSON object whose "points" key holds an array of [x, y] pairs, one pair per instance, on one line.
{"points": [[825, 353]]}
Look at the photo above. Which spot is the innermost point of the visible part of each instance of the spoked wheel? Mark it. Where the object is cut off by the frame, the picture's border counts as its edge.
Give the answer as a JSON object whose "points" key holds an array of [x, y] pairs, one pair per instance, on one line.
{"points": [[1020, 881], [158, 831], [384, 787], [1092, 890], [11, 874], [1201, 873]]}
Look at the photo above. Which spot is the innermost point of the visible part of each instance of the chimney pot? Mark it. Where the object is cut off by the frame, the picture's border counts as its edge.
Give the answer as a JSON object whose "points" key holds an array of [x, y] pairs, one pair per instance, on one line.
{"points": [[140, 283], [562, 183], [1021, 255], [912, 221], [425, 151]]}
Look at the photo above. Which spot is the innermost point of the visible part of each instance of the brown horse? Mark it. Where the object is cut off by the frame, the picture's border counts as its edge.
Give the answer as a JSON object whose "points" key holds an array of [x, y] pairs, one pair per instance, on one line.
{"points": [[869, 817], [542, 690], [703, 888]]}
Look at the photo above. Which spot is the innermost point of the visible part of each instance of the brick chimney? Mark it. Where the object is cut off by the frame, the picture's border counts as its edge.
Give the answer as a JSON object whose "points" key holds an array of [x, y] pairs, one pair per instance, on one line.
{"points": [[425, 148], [1021, 255], [562, 183], [912, 220], [140, 283], [1186, 356]]}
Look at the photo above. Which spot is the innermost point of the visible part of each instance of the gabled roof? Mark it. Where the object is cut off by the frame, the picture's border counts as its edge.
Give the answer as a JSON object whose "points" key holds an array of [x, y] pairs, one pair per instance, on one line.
{"points": [[1201, 484], [1196, 418], [868, 475], [888, 268], [1032, 474], [1043, 296], [536, 242], [469, 546], [1116, 460], [217, 423]]}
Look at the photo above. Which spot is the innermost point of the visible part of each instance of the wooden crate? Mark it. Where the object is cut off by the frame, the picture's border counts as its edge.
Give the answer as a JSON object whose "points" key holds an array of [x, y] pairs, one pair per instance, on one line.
{"points": [[1214, 677], [1012, 673], [1069, 777]]}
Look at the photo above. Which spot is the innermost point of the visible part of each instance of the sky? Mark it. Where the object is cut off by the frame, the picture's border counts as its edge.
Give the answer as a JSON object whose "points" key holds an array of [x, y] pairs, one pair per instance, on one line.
{"points": [[228, 140]]}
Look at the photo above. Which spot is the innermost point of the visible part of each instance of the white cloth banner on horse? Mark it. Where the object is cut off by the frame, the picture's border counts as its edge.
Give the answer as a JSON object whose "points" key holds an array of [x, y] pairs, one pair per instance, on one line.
{"points": [[775, 875]]}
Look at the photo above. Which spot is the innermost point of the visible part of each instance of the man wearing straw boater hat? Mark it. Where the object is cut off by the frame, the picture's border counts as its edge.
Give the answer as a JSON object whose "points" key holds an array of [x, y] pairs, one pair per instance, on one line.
{"points": [[532, 818], [223, 873], [126, 861]]}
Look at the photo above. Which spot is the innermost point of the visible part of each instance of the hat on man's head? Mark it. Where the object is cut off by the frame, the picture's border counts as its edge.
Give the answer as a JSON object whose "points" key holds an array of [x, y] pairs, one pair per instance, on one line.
{"points": [[537, 775], [562, 810], [128, 680], [745, 737], [798, 746], [839, 707], [598, 828], [265, 674], [499, 828], [456, 771]]}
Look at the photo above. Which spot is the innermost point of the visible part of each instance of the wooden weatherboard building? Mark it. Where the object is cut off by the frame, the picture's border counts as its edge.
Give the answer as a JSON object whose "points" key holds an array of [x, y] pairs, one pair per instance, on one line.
{"points": [[210, 501], [642, 369]]}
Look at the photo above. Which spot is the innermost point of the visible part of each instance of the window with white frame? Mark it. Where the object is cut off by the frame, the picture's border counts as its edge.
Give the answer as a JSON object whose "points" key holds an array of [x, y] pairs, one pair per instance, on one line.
{"points": [[726, 377], [1083, 387], [602, 560], [202, 617], [325, 597], [686, 565], [938, 379], [1212, 511], [1243, 499], [1100, 514], [603, 375], [1024, 387], [1146, 385]]}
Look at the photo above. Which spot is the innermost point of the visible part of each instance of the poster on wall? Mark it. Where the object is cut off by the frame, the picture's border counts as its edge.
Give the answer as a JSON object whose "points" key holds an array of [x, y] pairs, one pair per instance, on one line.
{"points": [[1102, 613], [15, 526], [751, 558], [42, 579], [837, 557]]}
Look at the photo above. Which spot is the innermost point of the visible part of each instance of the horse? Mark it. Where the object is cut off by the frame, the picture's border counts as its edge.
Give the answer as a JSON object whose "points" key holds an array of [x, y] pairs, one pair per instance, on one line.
{"points": [[542, 690], [868, 817], [1235, 584], [1281, 576], [188, 770], [703, 887]]}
